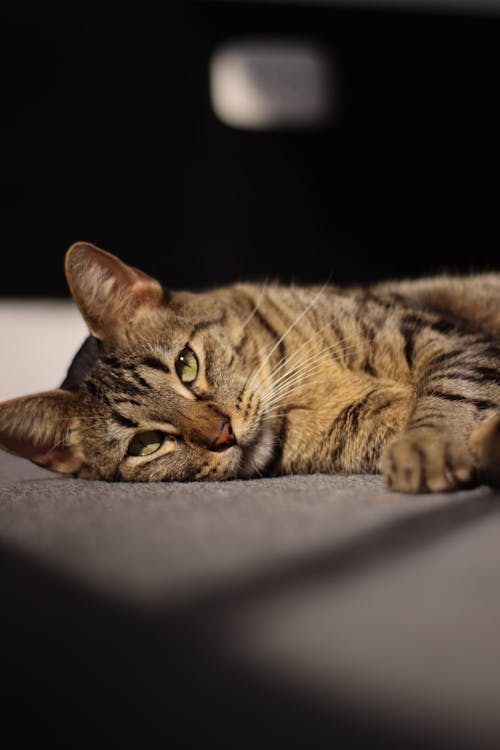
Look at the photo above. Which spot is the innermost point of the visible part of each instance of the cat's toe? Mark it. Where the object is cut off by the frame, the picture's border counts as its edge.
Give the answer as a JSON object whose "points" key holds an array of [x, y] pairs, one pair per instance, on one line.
{"points": [[427, 463], [485, 446]]}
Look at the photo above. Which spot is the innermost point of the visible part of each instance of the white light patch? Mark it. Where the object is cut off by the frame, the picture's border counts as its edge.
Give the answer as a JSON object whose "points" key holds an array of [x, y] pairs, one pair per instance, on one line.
{"points": [[268, 84]]}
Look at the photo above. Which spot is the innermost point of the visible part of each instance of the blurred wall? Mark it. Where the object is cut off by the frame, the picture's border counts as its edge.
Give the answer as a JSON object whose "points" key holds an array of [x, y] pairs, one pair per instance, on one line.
{"points": [[109, 136]]}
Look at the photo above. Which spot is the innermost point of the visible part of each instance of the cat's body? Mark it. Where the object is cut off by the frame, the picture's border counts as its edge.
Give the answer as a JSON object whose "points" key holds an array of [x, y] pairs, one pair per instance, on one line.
{"points": [[261, 379]]}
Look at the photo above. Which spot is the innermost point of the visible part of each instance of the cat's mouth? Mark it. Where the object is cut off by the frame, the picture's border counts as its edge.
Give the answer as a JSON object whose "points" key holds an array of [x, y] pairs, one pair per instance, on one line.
{"points": [[257, 452]]}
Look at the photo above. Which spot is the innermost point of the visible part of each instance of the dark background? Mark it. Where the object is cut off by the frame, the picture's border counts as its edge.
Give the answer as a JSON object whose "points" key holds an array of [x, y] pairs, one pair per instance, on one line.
{"points": [[109, 137]]}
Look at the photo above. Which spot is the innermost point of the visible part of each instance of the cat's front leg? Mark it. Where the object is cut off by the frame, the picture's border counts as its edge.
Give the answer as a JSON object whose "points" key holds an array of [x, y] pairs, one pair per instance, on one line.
{"points": [[457, 387]]}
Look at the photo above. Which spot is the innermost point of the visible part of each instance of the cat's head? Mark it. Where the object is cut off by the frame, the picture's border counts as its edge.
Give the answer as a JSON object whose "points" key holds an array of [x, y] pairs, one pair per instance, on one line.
{"points": [[173, 393]]}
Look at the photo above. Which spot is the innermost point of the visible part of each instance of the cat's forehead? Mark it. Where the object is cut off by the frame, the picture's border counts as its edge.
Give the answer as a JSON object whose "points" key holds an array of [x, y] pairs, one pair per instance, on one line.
{"points": [[186, 315], [150, 345]]}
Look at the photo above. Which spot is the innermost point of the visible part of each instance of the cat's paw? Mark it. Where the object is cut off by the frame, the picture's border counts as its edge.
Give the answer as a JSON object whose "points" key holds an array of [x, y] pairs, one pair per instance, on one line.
{"points": [[427, 461], [485, 446]]}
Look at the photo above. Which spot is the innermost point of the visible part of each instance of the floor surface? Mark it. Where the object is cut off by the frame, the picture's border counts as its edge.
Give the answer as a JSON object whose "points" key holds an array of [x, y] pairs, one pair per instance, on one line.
{"points": [[306, 604]]}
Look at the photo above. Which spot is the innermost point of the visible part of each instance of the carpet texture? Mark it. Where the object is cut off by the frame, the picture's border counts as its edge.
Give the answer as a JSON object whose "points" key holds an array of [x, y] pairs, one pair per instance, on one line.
{"points": [[301, 611]]}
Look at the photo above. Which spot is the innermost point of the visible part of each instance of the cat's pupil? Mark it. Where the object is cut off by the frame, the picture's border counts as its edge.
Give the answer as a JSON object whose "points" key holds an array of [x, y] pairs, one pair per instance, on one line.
{"points": [[187, 366]]}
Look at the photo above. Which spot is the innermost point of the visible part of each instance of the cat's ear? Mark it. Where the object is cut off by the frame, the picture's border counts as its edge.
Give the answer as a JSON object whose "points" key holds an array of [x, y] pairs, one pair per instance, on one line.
{"points": [[108, 292], [37, 427]]}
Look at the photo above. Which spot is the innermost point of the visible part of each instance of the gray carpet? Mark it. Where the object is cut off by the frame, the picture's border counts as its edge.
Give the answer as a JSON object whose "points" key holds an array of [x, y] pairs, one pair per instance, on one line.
{"points": [[302, 610]]}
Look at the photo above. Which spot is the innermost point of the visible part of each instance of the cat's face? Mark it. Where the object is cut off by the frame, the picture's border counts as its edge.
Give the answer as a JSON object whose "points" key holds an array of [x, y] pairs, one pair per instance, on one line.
{"points": [[173, 395], [174, 404]]}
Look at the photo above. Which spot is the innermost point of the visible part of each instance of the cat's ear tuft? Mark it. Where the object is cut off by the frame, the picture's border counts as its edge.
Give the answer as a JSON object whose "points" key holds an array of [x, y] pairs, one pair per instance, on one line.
{"points": [[108, 291], [37, 427]]}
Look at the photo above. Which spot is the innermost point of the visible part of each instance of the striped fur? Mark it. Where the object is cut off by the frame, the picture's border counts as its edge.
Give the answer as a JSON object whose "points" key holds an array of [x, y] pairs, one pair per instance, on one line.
{"points": [[401, 377]]}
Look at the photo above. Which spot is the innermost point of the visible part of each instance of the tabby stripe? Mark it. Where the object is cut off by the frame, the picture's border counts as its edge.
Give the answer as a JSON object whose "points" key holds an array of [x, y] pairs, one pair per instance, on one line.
{"points": [[207, 323], [349, 416], [429, 417], [479, 379], [368, 368], [123, 421], [284, 315], [341, 342], [468, 369], [112, 362], [278, 445], [414, 322], [421, 424], [440, 324], [155, 364], [409, 327], [120, 385], [371, 454], [492, 351], [369, 331], [389, 301], [477, 402], [378, 408], [336, 455], [273, 332], [409, 348], [94, 390], [443, 325], [91, 387], [141, 380], [132, 401], [241, 343], [446, 357], [488, 372], [258, 316]]}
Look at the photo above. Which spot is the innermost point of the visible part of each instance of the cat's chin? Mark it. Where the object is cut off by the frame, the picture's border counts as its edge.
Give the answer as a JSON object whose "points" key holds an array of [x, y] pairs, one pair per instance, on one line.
{"points": [[257, 453]]}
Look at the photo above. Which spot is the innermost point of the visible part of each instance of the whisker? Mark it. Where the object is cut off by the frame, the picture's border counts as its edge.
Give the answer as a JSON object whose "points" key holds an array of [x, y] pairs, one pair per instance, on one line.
{"points": [[284, 361], [296, 382], [293, 383], [305, 364], [256, 306], [341, 344], [297, 373], [257, 358], [290, 328], [256, 468]]}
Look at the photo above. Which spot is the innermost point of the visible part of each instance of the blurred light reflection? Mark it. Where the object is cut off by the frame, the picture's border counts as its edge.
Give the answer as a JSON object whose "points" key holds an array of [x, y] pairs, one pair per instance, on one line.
{"points": [[266, 84]]}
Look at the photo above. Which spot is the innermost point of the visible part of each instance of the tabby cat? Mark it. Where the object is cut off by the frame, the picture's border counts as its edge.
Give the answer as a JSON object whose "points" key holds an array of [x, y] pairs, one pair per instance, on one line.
{"points": [[252, 380]]}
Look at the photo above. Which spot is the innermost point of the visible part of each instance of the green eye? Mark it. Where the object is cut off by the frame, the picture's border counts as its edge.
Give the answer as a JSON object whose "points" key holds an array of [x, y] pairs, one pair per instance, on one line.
{"points": [[187, 366], [145, 443]]}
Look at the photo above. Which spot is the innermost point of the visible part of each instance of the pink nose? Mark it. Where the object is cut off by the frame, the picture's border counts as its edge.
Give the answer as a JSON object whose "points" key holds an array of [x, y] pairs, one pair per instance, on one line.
{"points": [[225, 438]]}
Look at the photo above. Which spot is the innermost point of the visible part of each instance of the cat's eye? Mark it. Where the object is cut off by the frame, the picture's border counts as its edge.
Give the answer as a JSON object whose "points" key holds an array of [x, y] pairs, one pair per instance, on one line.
{"points": [[187, 366], [145, 443]]}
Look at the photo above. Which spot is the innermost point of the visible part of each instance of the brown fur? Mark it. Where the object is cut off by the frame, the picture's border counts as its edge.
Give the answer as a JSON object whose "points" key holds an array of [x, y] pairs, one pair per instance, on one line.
{"points": [[401, 377]]}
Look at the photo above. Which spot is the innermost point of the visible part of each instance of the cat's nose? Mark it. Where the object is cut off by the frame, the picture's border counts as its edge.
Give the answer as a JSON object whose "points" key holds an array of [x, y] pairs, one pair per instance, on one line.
{"points": [[225, 438]]}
